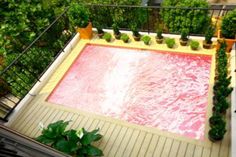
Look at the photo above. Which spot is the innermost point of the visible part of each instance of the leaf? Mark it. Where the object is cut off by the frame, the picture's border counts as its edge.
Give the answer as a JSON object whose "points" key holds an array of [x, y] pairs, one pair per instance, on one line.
{"points": [[90, 137], [67, 147], [71, 136], [93, 151], [44, 140]]}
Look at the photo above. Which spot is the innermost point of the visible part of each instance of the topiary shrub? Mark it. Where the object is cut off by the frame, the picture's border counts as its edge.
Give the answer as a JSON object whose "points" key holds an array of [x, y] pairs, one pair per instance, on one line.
{"points": [[170, 42], [177, 19], [107, 37], [228, 26], [146, 39], [125, 38], [194, 45]]}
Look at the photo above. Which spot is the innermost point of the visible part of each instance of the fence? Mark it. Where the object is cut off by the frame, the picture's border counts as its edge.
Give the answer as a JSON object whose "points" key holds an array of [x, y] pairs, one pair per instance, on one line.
{"points": [[18, 78]]}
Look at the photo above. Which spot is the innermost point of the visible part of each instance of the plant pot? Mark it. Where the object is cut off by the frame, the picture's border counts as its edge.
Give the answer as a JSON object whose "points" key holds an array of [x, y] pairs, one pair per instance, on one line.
{"points": [[126, 41], [183, 42], [195, 49], [117, 36], [159, 40], [86, 33], [137, 38], [108, 40], [207, 45], [100, 35], [147, 43], [229, 42]]}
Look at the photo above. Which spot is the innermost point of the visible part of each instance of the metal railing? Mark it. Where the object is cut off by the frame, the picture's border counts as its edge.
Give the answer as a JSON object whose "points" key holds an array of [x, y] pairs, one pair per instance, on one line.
{"points": [[26, 69]]}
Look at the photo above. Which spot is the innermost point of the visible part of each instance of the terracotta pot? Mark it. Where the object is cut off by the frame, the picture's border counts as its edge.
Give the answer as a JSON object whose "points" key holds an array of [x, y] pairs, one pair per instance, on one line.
{"points": [[183, 42], [159, 40], [229, 42], [86, 33], [137, 38], [206, 45]]}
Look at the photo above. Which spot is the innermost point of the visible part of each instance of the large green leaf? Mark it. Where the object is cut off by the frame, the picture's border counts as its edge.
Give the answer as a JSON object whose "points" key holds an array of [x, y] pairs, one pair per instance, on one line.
{"points": [[93, 151], [68, 147], [90, 137], [44, 140]]}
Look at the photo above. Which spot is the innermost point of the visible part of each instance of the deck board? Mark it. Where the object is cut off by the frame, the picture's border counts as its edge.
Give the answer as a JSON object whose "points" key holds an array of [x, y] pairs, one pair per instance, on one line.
{"points": [[120, 139]]}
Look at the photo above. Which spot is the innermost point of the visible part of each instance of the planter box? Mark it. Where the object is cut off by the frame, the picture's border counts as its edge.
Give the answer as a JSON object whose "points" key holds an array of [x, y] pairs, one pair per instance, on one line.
{"points": [[86, 33], [229, 42]]}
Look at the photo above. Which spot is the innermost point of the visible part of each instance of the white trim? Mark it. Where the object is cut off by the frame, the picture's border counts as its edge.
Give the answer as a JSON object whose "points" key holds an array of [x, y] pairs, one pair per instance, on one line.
{"points": [[43, 80]]}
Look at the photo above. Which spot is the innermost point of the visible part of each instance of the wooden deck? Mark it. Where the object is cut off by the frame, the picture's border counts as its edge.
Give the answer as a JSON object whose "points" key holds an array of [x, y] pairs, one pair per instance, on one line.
{"points": [[121, 139]]}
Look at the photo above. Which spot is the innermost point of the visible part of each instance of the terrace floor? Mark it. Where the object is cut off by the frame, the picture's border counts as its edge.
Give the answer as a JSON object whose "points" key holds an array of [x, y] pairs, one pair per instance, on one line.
{"points": [[120, 138]]}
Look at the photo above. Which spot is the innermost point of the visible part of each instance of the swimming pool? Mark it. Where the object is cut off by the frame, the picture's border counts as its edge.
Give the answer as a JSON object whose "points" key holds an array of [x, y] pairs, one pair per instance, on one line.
{"points": [[165, 90]]}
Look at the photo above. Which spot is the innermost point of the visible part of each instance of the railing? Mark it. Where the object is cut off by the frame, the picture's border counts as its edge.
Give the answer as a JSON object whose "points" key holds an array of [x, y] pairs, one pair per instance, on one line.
{"points": [[25, 70], [17, 145]]}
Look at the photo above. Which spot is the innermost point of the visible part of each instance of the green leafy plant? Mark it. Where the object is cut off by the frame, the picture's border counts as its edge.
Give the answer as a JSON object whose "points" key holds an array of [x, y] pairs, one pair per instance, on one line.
{"points": [[146, 39], [72, 142], [228, 26], [159, 34], [78, 15], [217, 132], [184, 34], [194, 45], [124, 37], [177, 19], [170, 42], [215, 119], [107, 37], [209, 34], [115, 28]]}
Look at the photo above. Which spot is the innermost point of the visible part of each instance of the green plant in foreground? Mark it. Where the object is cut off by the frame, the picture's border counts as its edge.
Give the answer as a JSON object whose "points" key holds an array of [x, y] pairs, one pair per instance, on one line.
{"points": [[184, 34], [217, 131], [146, 39], [124, 37], [209, 34], [170, 42], [78, 15], [228, 26], [72, 142], [194, 45], [107, 37]]}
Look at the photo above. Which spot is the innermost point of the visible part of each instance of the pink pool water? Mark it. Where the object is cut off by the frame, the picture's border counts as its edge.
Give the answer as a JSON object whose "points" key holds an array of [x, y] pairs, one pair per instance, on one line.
{"points": [[151, 88]]}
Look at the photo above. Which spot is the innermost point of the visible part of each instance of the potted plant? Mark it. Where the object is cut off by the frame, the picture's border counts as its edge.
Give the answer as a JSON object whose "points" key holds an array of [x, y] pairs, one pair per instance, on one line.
{"points": [[159, 37], [228, 29], [170, 42], [107, 37], [100, 32], [217, 132], [146, 39], [79, 17], [125, 38], [136, 34], [184, 37], [194, 45], [116, 31], [207, 43], [215, 119]]}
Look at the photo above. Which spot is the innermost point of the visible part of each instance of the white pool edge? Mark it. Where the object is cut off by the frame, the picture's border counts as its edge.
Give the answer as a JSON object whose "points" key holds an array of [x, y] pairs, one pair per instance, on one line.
{"points": [[43, 80]]}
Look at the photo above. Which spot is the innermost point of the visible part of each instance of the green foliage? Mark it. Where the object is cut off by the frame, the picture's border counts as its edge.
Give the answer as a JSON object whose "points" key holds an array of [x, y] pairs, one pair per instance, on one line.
{"points": [[78, 15], [209, 34], [184, 34], [228, 26], [177, 19], [194, 44], [159, 34], [72, 142], [124, 37], [115, 28], [217, 131], [170, 42], [135, 31], [107, 37], [146, 39]]}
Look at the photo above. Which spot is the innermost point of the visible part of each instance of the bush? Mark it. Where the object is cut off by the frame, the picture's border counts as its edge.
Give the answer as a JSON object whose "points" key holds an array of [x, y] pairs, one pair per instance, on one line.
{"points": [[209, 34], [170, 42], [146, 39], [72, 142], [159, 34], [78, 15], [125, 37], [184, 34], [107, 37], [228, 26], [194, 45], [217, 132], [177, 19]]}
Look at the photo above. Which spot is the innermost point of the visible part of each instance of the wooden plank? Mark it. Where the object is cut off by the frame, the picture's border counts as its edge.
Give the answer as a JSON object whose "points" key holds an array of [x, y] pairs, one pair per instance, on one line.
{"points": [[75, 125], [110, 141], [31, 120], [198, 151], [83, 122], [88, 123], [131, 143], [224, 148], [167, 147], [138, 144], [104, 128], [160, 146], [190, 150], [93, 126], [73, 119], [174, 148], [215, 149], [206, 152], [145, 145], [107, 136], [182, 149], [152, 146], [124, 143], [116, 145]]}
